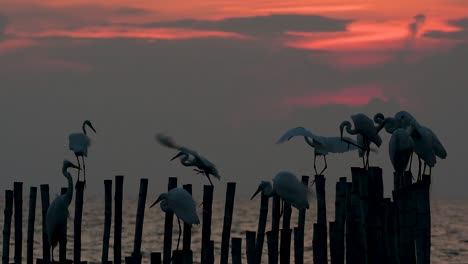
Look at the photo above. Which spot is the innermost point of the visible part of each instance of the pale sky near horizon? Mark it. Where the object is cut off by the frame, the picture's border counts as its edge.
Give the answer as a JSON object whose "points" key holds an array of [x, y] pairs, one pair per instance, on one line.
{"points": [[225, 78]]}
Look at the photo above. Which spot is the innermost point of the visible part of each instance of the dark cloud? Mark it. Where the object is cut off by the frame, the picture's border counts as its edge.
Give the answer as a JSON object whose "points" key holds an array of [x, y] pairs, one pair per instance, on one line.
{"points": [[132, 11], [272, 24], [415, 27], [3, 24], [462, 34]]}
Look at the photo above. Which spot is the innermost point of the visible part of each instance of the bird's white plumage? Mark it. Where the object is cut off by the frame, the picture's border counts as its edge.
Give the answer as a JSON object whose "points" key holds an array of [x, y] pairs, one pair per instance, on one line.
{"points": [[182, 204], [365, 126], [400, 149], [56, 219], [291, 190], [322, 145], [79, 143]]}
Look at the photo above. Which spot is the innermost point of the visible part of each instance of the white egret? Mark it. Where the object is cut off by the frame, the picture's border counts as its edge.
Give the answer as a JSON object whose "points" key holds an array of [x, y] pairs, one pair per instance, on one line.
{"points": [[190, 158], [321, 145], [364, 126], [79, 144], [288, 187], [400, 149], [57, 212], [426, 143], [182, 204]]}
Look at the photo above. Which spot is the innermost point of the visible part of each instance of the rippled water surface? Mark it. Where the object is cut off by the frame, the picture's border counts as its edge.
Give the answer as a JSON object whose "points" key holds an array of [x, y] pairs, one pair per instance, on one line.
{"points": [[449, 229]]}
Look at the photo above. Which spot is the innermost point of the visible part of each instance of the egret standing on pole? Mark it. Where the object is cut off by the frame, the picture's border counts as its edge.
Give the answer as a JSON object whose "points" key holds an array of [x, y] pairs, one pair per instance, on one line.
{"points": [[321, 145], [364, 126], [190, 158], [57, 213], [180, 202], [79, 144]]}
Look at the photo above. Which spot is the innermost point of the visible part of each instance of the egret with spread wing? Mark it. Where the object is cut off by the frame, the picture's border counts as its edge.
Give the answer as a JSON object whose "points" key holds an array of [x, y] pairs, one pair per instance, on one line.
{"points": [[190, 158], [180, 202], [79, 144], [57, 213], [364, 126], [321, 145]]}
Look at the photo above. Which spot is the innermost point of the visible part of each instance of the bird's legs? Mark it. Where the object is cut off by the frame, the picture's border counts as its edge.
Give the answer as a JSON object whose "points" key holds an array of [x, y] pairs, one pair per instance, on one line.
{"points": [[326, 166], [411, 162], [282, 208], [84, 170], [208, 175], [424, 172], [79, 165], [178, 240], [419, 170], [315, 167]]}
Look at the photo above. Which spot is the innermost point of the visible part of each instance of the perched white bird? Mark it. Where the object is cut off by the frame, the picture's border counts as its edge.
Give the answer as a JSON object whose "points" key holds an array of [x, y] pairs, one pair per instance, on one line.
{"points": [[426, 143], [180, 202], [190, 158], [364, 126], [79, 144], [400, 149], [57, 213], [321, 145], [288, 187]]}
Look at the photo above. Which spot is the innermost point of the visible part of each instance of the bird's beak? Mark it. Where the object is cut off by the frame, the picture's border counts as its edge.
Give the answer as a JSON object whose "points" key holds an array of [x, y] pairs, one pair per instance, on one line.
{"points": [[91, 126], [157, 201], [255, 194], [176, 156]]}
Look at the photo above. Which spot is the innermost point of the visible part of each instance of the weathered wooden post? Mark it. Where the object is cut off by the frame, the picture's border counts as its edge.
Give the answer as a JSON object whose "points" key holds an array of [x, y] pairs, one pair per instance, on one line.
{"points": [[226, 235], [319, 242], [18, 203], [139, 220], [423, 243], [262, 220], [250, 246], [236, 250], [355, 250], [63, 239], [7, 226], [155, 258], [374, 217], [187, 237], [45, 206], [299, 234], [285, 241], [333, 233], [31, 220], [77, 223], [167, 251], [118, 197], [337, 253], [107, 220], [406, 220], [210, 252], [272, 240], [389, 233], [206, 227], [177, 257]]}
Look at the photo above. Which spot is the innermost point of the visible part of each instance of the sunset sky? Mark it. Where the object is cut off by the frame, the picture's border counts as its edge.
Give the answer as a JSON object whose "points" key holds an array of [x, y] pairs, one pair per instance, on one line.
{"points": [[226, 78]]}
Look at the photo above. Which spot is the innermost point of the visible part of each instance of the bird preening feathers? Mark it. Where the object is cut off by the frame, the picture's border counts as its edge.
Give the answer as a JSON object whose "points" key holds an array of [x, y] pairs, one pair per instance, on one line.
{"points": [[190, 158]]}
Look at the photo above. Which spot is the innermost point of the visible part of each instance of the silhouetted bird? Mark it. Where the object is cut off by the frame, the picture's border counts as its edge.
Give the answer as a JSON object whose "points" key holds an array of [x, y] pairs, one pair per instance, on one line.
{"points": [[57, 213], [321, 145], [79, 144], [190, 158], [182, 204]]}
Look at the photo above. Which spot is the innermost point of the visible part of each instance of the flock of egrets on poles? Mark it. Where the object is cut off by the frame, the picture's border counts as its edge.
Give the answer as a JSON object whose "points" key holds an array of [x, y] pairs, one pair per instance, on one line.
{"points": [[408, 136]]}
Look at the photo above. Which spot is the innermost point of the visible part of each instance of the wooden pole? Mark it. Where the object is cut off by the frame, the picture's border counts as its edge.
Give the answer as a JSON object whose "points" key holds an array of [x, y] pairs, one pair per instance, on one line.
{"points": [[275, 213], [236, 250], [210, 252], [178, 257], [45, 206], [226, 235], [168, 226], [285, 241], [374, 217], [31, 220], [272, 240], [250, 246], [156, 258], [139, 219], [355, 251], [299, 237], [118, 197], [187, 239], [63, 239], [77, 223], [338, 252], [18, 203], [107, 220], [319, 243], [333, 242], [7, 226], [389, 233], [406, 218], [206, 227], [262, 220]]}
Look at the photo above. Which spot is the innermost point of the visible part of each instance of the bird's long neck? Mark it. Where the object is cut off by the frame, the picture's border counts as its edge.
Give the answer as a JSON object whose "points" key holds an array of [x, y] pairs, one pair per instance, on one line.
{"points": [[350, 130], [83, 127], [185, 160], [268, 190], [69, 194], [309, 142], [164, 206]]}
